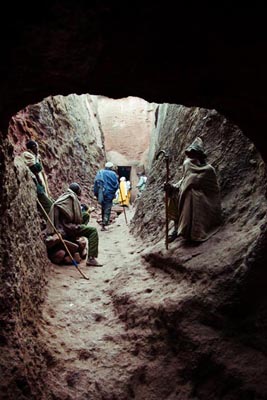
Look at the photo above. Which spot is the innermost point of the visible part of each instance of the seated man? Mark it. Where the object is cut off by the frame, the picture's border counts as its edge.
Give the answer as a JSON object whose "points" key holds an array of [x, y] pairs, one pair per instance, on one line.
{"points": [[67, 216], [195, 204]]}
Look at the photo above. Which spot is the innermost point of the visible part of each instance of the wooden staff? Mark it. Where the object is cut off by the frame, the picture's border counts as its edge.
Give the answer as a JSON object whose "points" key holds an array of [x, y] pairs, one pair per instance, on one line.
{"points": [[122, 205], [166, 156]]}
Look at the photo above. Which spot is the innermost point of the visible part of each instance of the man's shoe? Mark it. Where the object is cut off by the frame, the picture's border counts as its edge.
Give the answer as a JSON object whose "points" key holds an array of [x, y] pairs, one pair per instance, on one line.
{"points": [[103, 228], [172, 236]]}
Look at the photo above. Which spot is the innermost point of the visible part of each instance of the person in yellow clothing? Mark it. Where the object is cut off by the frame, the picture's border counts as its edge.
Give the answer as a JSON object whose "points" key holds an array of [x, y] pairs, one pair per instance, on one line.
{"points": [[123, 198]]}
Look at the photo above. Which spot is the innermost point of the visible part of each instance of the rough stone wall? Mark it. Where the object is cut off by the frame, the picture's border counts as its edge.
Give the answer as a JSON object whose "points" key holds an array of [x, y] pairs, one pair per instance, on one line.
{"points": [[218, 309], [239, 166], [90, 47], [157, 131], [70, 138], [71, 144], [242, 179], [23, 271], [127, 125]]}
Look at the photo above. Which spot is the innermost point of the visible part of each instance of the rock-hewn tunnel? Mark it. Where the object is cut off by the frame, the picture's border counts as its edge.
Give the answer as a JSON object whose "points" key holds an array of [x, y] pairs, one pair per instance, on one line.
{"points": [[201, 311]]}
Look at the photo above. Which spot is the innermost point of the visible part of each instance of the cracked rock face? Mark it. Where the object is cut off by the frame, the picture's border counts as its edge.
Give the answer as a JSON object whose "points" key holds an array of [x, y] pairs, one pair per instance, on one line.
{"points": [[95, 48], [71, 147]]}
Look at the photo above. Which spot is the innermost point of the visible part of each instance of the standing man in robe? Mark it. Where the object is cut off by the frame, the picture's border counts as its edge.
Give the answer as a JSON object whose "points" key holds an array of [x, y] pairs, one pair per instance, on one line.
{"points": [[105, 187], [32, 159]]}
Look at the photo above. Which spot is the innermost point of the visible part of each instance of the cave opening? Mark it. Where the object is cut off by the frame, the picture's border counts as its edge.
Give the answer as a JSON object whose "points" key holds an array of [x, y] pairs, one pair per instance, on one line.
{"points": [[124, 171], [112, 333]]}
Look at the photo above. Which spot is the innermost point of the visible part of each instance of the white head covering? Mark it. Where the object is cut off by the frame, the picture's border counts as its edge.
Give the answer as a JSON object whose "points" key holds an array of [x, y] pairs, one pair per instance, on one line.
{"points": [[122, 178], [109, 165]]}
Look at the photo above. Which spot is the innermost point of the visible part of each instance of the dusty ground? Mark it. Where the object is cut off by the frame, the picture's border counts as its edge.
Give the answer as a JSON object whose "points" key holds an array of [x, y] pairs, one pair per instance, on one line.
{"points": [[142, 325], [80, 325]]}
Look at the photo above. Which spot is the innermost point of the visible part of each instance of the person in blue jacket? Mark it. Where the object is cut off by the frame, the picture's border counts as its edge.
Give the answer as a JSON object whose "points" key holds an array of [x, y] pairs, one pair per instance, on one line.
{"points": [[105, 186]]}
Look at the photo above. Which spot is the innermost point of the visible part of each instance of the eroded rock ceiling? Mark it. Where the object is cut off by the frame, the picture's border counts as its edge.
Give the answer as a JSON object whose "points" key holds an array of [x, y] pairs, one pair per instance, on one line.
{"points": [[213, 57]]}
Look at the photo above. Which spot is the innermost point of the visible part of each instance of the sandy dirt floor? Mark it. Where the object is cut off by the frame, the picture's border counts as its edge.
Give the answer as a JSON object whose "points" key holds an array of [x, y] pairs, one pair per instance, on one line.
{"points": [[79, 322]]}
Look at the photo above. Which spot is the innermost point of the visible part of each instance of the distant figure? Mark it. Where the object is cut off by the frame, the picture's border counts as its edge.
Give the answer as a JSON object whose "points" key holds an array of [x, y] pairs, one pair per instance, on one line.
{"points": [[105, 187], [141, 185], [123, 192], [32, 159], [67, 216], [129, 189], [116, 198], [195, 205]]}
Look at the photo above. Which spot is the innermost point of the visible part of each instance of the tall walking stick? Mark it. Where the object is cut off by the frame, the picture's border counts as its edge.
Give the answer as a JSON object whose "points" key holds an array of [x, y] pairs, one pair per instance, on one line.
{"points": [[166, 156], [123, 206], [74, 262]]}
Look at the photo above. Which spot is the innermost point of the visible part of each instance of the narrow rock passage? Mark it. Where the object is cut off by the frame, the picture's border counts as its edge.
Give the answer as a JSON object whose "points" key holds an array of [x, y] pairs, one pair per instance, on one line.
{"points": [[81, 330]]}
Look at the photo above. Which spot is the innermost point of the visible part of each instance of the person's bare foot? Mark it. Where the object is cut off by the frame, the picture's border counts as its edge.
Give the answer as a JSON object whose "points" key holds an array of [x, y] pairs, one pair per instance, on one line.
{"points": [[77, 257], [93, 262]]}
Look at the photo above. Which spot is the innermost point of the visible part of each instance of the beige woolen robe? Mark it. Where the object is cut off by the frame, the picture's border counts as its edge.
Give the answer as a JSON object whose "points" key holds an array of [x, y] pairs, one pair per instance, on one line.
{"points": [[195, 203], [69, 206], [30, 159]]}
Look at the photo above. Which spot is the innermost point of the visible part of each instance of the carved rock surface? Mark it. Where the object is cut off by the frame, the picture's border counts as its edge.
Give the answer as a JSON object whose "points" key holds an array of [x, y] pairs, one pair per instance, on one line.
{"points": [[23, 270], [70, 139], [127, 124], [212, 57]]}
